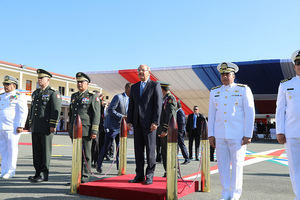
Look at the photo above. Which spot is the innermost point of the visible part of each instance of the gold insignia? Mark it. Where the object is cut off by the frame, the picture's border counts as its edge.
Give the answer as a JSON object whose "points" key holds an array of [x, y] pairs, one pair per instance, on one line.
{"points": [[236, 103], [285, 80], [224, 66], [218, 92], [236, 91], [216, 87], [290, 97]]}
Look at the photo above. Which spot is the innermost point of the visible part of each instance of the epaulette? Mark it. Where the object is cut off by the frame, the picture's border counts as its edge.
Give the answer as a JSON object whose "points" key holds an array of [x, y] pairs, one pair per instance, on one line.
{"points": [[91, 92], [285, 80], [216, 87], [2, 93], [241, 85], [51, 88]]}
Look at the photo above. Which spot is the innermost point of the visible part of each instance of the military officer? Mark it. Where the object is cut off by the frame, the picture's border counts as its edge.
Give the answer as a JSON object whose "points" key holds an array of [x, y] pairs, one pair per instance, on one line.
{"points": [[13, 114], [44, 114], [230, 128], [169, 108], [87, 105], [287, 122]]}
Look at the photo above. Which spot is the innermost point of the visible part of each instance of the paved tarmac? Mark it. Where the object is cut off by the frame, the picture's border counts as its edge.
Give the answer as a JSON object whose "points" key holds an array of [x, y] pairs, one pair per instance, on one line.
{"points": [[265, 177]]}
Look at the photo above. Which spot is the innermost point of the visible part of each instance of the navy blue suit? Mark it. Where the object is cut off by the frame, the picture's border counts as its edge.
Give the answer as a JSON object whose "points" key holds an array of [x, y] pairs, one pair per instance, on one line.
{"points": [[142, 112], [181, 132], [116, 111]]}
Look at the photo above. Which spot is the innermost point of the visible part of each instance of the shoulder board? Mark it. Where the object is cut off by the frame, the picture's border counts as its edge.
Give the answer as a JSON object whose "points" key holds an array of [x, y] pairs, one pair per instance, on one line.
{"points": [[241, 85], [285, 80], [2, 93], [91, 92], [51, 88], [18, 93], [216, 87]]}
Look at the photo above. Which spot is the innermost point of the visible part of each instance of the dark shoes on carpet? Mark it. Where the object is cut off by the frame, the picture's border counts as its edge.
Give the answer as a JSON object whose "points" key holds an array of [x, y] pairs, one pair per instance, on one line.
{"points": [[186, 161]]}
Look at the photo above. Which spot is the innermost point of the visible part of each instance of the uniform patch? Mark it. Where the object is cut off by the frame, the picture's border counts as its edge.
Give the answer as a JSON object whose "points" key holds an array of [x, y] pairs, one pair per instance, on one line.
{"points": [[170, 101], [85, 100], [97, 99]]}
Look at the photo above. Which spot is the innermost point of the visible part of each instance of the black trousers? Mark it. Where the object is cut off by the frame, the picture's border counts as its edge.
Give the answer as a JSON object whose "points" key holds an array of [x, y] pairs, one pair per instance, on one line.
{"points": [[107, 144], [164, 148], [144, 138], [42, 150], [158, 148], [194, 136], [86, 158], [182, 145]]}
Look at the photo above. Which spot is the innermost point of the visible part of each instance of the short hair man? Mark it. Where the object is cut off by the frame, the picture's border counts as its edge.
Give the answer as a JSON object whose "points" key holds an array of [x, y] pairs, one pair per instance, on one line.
{"points": [[230, 127], [144, 111], [193, 128], [87, 105], [44, 114], [287, 121], [117, 110], [13, 114], [169, 108]]}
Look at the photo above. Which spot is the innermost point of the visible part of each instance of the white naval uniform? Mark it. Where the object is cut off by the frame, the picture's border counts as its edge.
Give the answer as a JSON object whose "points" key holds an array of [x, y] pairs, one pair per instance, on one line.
{"points": [[288, 123], [230, 118], [13, 114]]}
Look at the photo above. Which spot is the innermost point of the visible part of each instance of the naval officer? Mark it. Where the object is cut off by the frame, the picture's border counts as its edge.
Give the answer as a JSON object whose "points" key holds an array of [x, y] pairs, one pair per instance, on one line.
{"points": [[287, 122], [44, 114], [13, 114], [230, 128], [87, 105]]}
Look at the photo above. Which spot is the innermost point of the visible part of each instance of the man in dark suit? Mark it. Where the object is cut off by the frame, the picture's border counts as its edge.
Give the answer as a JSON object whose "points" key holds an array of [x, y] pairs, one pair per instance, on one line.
{"points": [[116, 111], [181, 133], [144, 111], [87, 105], [193, 128]]}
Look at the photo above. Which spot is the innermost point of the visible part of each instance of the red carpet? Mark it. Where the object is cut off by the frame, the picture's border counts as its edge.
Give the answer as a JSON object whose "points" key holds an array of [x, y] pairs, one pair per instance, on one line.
{"points": [[119, 188]]}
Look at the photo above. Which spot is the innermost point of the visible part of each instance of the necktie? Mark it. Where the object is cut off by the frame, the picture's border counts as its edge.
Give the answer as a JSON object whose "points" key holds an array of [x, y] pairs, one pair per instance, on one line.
{"points": [[142, 88], [195, 121]]}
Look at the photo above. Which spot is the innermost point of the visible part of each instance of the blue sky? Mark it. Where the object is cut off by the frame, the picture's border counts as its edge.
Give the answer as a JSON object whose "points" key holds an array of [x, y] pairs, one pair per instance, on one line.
{"points": [[65, 36]]}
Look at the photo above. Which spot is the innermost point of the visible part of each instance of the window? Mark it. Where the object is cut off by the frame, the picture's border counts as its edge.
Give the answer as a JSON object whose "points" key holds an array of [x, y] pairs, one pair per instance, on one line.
{"points": [[28, 85], [61, 90]]}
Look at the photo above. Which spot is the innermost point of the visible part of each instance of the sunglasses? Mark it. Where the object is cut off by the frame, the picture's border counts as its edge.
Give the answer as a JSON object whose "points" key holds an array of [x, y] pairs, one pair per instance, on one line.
{"points": [[297, 62], [6, 84]]}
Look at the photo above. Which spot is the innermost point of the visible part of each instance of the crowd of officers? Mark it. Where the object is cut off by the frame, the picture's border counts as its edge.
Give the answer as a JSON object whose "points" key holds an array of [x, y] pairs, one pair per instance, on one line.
{"points": [[150, 106]]}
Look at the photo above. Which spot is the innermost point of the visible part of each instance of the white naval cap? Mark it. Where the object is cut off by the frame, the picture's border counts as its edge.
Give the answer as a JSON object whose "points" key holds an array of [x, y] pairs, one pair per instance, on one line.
{"points": [[295, 56], [227, 67]]}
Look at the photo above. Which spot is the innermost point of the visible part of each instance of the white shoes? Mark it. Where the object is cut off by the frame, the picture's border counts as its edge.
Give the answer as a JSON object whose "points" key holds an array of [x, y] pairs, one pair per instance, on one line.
{"points": [[7, 176]]}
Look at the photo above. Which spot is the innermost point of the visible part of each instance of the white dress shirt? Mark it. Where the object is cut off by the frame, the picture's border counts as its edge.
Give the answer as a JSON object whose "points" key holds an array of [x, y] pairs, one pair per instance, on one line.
{"points": [[288, 108], [13, 111], [231, 112]]}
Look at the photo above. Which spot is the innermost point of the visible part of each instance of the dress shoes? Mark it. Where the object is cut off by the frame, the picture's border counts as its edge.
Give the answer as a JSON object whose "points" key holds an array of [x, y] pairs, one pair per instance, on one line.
{"points": [[37, 179], [197, 159], [46, 175], [99, 170], [137, 180], [7, 176], [33, 177], [148, 181], [186, 161]]}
